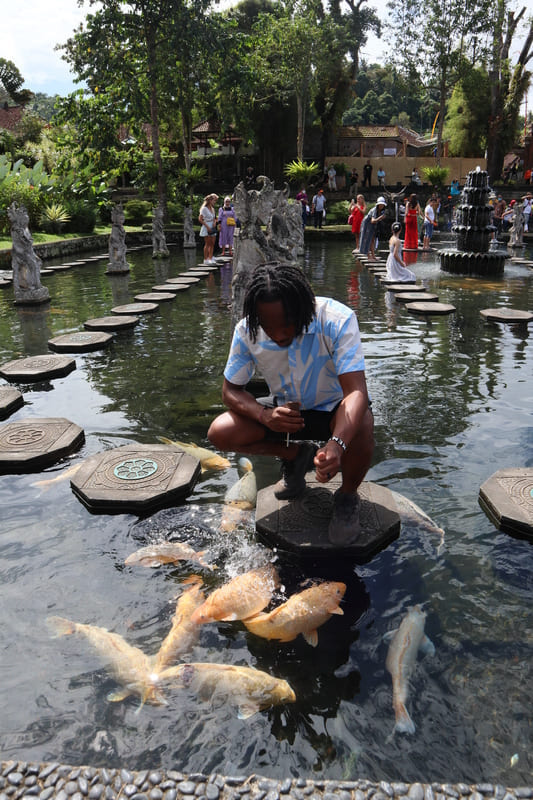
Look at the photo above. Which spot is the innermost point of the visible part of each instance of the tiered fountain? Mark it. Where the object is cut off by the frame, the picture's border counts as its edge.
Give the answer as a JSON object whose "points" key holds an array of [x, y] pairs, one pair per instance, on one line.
{"points": [[473, 229]]}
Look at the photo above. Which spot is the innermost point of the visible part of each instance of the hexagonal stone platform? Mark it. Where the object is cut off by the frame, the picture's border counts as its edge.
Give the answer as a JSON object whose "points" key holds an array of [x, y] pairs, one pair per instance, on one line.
{"points": [[389, 282], [175, 285], [134, 477], [166, 288], [507, 499], [31, 444], [116, 323], [506, 315], [10, 400], [155, 297], [430, 308], [37, 368], [4, 284], [184, 279], [80, 342], [135, 308], [402, 287], [301, 526], [420, 297]]}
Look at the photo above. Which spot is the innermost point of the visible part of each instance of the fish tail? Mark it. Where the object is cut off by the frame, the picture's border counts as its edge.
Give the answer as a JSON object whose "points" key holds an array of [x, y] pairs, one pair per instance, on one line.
{"points": [[404, 723], [165, 440], [193, 580], [59, 626]]}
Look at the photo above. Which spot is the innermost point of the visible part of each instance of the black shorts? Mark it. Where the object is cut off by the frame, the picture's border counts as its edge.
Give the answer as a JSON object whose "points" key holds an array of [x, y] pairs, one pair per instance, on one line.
{"points": [[317, 425]]}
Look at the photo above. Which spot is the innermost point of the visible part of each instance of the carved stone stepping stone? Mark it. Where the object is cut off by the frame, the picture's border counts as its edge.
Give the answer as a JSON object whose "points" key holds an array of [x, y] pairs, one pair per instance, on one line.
{"points": [[430, 308], [176, 287], [62, 267], [507, 499], [178, 282], [196, 273], [4, 283], [506, 315], [80, 342], [184, 279], [301, 526], [164, 287], [155, 297], [205, 268], [420, 297], [45, 272], [37, 368], [116, 323], [135, 477], [31, 444], [10, 400], [400, 287], [135, 308], [389, 282], [6, 274]]}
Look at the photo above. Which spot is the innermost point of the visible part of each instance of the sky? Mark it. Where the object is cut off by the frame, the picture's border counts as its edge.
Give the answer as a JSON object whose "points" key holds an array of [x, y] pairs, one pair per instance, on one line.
{"points": [[37, 26]]}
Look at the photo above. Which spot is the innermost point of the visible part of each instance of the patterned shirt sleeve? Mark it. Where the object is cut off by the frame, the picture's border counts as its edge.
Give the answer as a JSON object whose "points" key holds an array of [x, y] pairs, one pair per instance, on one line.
{"points": [[240, 365]]}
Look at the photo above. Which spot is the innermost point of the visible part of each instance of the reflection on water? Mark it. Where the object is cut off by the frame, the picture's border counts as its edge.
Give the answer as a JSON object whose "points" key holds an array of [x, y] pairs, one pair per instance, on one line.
{"points": [[452, 402]]}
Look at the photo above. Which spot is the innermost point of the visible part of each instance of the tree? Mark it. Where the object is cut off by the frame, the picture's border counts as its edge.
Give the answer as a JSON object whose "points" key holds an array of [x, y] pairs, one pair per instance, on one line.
{"points": [[508, 85], [11, 80], [468, 114]]}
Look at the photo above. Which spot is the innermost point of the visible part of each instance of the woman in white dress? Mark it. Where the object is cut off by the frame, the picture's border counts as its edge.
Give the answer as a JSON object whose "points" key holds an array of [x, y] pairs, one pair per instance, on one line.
{"points": [[396, 269], [208, 231]]}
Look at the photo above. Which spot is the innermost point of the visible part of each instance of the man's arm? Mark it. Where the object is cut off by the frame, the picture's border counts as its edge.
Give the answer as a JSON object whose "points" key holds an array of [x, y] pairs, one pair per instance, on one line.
{"points": [[348, 421], [240, 401]]}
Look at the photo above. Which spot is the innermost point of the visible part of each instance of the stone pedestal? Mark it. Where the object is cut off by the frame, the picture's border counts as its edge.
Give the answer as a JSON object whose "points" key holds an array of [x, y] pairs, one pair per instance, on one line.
{"points": [[31, 444], [507, 499], [301, 526]]}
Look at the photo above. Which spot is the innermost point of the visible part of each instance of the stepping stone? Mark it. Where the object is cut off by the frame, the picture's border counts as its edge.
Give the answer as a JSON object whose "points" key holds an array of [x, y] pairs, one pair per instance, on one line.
{"points": [[178, 282], [136, 477], [37, 368], [184, 279], [430, 308], [177, 287], [155, 297], [301, 526], [196, 273], [400, 287], [506, 315], [166, 287], [45, 272], [31, 444], [10, 400], [80, 342], [62, 267], [6, 274], [420, 297], [111, 323], [205, 268], [135, 308], [4, 283], [507, 499], [389, 281]]}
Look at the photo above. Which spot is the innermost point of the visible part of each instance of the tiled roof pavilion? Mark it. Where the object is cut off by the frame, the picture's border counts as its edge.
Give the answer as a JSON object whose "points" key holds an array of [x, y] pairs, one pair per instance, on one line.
{"points": [[373, 140]]}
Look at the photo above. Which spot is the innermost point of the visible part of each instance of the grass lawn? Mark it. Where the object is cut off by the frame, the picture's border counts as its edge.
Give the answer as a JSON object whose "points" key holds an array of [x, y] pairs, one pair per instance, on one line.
{"points": [[42, 238]]}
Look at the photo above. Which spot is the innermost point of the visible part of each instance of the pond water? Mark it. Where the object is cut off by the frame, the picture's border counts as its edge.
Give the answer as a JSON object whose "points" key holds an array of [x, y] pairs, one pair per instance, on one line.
{"points": [[452, 398]]}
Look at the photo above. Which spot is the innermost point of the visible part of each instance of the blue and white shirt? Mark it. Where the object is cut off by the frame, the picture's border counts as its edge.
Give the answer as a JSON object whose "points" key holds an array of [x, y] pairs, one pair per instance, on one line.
{"points": [[307, 371]]}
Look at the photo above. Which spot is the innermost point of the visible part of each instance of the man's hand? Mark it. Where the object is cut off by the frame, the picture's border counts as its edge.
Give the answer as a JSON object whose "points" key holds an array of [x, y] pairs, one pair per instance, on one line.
{"points": [[328, 461], [283, 419]]}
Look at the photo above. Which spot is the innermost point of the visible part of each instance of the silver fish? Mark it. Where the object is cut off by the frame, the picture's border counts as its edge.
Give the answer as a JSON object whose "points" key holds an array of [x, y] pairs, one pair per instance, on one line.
{"points": [[410, 512], [406, 641]]}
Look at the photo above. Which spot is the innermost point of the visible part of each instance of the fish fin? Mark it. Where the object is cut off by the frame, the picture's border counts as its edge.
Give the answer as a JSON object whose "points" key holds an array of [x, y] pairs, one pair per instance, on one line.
{"points": [[404, 723], [337, 610], [427, 647], [164, 440], [247, 710], [59, 626], [311, 637], [118, 694], [193, 579], [389, 635], [229, 617]]}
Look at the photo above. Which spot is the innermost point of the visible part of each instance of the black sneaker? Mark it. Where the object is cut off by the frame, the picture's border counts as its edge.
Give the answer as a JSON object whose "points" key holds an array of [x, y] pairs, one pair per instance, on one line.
{"points": [[292, 483], [344, 527]]}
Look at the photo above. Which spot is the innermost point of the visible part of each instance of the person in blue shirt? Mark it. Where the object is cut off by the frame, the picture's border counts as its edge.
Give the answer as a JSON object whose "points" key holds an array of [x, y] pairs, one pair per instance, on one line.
{"points": [[308, 349]]}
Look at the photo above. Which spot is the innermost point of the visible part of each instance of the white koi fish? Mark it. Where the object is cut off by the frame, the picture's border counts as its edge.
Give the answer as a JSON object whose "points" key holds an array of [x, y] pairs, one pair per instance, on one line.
{"points": [[45, 484], [405, 643], [411, 512], [207, 458]]}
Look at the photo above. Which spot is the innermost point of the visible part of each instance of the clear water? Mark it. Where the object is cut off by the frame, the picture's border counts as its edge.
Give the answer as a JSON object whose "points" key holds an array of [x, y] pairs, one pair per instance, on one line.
{"points": [[452, 399]]}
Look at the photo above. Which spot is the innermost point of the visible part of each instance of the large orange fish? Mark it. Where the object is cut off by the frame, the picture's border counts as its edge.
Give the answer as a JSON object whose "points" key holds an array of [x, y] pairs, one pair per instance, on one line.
{"points": [[153, 555], [129, 665], [302, 614], [207, 458], [183, 632], [244, 596], [249, 689]]}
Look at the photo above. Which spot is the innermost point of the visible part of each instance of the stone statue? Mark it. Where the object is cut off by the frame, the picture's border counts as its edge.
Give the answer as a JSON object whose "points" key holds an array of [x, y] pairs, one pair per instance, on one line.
{"points": [[256, 208], [117, 241], [25, 262], [296, 230], [516, 233], [159, 243], [189, 238]]}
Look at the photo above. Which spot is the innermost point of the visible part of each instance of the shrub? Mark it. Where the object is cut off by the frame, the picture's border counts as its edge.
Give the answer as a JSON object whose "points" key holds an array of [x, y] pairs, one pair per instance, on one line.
{"points": [[82, 217], [300, 172], [175, 212], [337, 213], [54, 217], [436, 176], [137, 211]]}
